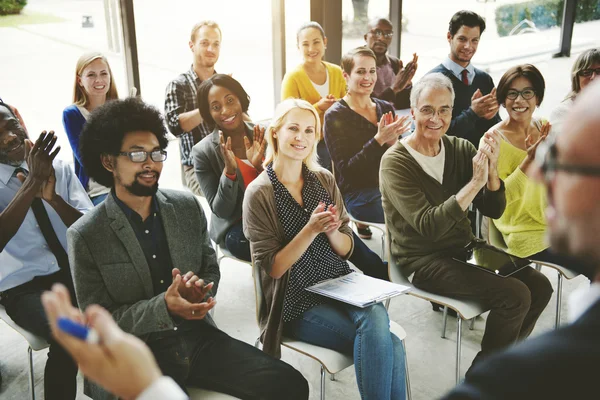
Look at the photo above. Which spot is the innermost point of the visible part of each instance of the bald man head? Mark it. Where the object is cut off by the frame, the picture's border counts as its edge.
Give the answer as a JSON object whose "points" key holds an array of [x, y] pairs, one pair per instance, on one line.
{"points": [[574, 188]]}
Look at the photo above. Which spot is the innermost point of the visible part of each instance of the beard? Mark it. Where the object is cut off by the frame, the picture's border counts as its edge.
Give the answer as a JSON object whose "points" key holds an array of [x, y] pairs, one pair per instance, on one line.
{"points": [[5, 159], [137, 189]]}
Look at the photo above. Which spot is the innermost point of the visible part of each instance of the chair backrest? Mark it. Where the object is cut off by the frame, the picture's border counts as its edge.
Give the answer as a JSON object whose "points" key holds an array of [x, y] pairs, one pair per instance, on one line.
{"points": [[395, 273], [495, 237], [35, 342]]}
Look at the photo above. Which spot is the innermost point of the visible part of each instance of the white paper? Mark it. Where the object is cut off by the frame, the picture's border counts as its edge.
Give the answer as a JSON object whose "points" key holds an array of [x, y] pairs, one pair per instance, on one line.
{"points": [[358, 289]]}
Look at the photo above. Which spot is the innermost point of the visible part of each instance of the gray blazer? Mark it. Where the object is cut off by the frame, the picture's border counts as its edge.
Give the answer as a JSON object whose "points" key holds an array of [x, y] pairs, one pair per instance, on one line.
{"points": [[109, 267], [224, 196]]}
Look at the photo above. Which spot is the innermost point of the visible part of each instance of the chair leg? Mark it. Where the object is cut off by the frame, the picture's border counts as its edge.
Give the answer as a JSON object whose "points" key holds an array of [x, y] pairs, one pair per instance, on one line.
{"points": [[538, 267], [444, 323], [458, 348], [322, 383], [332, 377], [558, 301], [387, 304], [408, 393], [383, 246], [257, 343], [472, 324], [31, 377]]}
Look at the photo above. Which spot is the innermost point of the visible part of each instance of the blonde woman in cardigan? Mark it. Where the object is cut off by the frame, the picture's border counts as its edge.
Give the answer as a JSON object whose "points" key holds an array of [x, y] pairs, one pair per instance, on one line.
{"points": [[316, 81], [298, 229]]}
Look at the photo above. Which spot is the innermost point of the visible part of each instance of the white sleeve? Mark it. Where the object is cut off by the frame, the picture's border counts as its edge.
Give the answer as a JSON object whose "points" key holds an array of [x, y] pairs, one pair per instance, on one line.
{"points": [[163, 388]]}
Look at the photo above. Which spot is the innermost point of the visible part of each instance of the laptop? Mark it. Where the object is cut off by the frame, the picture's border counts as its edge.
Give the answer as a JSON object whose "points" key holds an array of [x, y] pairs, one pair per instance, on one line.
{"points": [[492, 260]]}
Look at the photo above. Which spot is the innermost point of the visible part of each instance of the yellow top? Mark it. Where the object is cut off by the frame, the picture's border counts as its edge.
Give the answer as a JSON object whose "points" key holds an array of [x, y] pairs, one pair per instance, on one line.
{"points": [[296, 84], [523, 224]]}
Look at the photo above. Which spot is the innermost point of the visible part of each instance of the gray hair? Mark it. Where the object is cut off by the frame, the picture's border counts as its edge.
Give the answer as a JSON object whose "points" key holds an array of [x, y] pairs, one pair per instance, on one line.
{"points": [[436, 80]]}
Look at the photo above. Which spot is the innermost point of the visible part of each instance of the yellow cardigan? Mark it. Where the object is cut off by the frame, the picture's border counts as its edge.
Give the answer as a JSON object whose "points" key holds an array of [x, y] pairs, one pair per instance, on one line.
{"points": [[296, 84], [523, 224]]}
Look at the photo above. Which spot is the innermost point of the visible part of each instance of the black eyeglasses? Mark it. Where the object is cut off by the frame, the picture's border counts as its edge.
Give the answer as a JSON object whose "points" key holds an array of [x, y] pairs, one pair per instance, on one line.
{"points": [[588, 72], [546, 157], [526, 94], [379, 32], [141, 156]]}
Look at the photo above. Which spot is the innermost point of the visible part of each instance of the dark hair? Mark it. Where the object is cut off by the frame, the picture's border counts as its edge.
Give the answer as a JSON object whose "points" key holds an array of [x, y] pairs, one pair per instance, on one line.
{"points": [[106, 128], [311, 24], [10, 111], [227, 82], [466, 18], [527, 71], [348, 58]]}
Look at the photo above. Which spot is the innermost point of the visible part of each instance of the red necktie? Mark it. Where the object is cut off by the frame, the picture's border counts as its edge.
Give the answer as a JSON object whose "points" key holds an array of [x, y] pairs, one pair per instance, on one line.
{"points": [[465, 79]]}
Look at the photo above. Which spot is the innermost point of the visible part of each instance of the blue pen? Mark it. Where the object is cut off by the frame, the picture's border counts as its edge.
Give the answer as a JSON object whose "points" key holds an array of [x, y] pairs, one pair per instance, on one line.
{"points": [[79, 331]]}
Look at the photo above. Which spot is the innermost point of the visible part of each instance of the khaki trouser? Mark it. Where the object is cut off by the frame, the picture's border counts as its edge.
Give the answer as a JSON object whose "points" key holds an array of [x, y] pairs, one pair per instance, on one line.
{"points": [[189, 179]]}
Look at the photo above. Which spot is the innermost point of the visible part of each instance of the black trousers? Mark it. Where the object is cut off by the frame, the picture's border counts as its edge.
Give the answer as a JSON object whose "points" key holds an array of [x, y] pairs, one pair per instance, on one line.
{"points": [[23, 304]]}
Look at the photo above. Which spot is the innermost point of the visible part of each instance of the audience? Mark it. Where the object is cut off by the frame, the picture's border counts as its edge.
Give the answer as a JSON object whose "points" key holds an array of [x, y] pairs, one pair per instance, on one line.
{"points": [[428, 180], [585, 69], [358, 130], [161, 275], [94, 85], [39, 198], [295, 220], [316, 81], [119, 362], [475, 108], [560, 364], [228, 159], [393, 81], [181, 101]]}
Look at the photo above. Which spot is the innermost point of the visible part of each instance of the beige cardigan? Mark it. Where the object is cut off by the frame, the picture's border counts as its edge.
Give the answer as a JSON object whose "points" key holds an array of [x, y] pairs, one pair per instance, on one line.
{"points": [[267, 238]]}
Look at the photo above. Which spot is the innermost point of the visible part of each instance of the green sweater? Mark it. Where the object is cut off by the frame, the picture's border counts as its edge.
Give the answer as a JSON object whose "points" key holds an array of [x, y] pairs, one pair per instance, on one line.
{"points": [[423, 217]]}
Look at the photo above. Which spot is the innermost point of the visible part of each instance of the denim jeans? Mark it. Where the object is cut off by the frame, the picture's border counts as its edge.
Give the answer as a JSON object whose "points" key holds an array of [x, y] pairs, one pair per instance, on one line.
{"points": [[363, 333], [365, 205], [367, 261], [236, 242], [23, 304], [200, 355]]}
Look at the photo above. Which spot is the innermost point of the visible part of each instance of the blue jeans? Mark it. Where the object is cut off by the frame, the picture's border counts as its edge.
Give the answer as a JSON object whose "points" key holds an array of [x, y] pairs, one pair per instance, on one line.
{"points": [[236, 242], [365, 205], [364, 333]]}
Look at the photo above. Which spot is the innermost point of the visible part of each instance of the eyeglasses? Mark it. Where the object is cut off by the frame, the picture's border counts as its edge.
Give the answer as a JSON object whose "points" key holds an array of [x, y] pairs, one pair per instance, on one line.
{"points": [[526, 94], [379, 32], [430, 111], [546, 157], [588, 72], [141, 156]]}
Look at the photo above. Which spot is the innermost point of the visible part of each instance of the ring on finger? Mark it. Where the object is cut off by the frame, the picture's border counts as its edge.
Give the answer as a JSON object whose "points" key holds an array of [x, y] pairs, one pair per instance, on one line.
{"points": [[193, 312]]}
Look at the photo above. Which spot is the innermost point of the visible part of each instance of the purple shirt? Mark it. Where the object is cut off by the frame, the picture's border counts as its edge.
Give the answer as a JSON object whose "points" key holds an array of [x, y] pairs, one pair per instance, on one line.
{"points": [[385, 78]]}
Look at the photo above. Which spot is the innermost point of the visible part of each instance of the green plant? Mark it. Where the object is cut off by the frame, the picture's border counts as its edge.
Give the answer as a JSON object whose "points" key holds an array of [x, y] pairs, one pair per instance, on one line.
{"points": [[8, 7], [543, 13]]}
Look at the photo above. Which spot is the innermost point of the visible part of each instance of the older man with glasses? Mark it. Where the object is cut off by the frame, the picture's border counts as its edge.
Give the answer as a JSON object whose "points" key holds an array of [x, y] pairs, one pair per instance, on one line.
{"points": [[393, 79], [561, 364], [428, 180]]}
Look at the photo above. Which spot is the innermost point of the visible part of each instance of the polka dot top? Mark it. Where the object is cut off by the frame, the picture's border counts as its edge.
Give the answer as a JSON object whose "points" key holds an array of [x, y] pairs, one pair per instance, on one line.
{"points": [[319, 261]]}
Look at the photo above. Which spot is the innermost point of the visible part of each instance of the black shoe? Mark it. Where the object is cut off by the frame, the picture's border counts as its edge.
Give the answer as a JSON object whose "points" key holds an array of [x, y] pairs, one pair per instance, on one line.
{"points": [[364, 233], [439, 307]]}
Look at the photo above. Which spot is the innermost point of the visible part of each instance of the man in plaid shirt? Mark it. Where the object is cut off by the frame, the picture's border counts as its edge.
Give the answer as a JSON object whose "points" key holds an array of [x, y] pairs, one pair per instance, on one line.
{"points": [[181, 103]]}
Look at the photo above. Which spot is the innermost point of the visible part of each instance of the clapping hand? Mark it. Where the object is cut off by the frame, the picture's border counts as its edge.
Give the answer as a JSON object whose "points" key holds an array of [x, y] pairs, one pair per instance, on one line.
{"points": [[185, 296], [39, 158], [485, 106], [322, 220], [390, 127], [255, 151], [532, 144], [228, 155], [326, 102], [490, 146], [405, 75]]}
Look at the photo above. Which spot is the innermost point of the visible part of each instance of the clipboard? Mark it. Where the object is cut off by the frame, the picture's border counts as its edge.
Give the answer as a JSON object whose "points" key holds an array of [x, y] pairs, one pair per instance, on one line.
{"points": [[358, 290]]}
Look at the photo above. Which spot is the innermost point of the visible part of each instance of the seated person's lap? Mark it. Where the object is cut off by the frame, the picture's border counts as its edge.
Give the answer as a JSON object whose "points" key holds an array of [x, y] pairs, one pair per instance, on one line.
{"points": [[365, 205]]}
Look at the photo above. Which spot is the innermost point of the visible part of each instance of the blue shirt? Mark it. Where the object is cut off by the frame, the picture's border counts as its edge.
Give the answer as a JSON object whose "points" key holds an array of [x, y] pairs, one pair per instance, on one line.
{"points": [[457, 70], [27, 255], [153, 241]]}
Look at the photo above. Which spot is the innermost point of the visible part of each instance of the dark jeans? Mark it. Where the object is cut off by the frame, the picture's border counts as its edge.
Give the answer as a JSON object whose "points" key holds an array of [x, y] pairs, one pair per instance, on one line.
{"points": [[515, 302], [23, 304], [236, 242], [323, 154], [367, 261], [203, 356], [365, 205]]}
